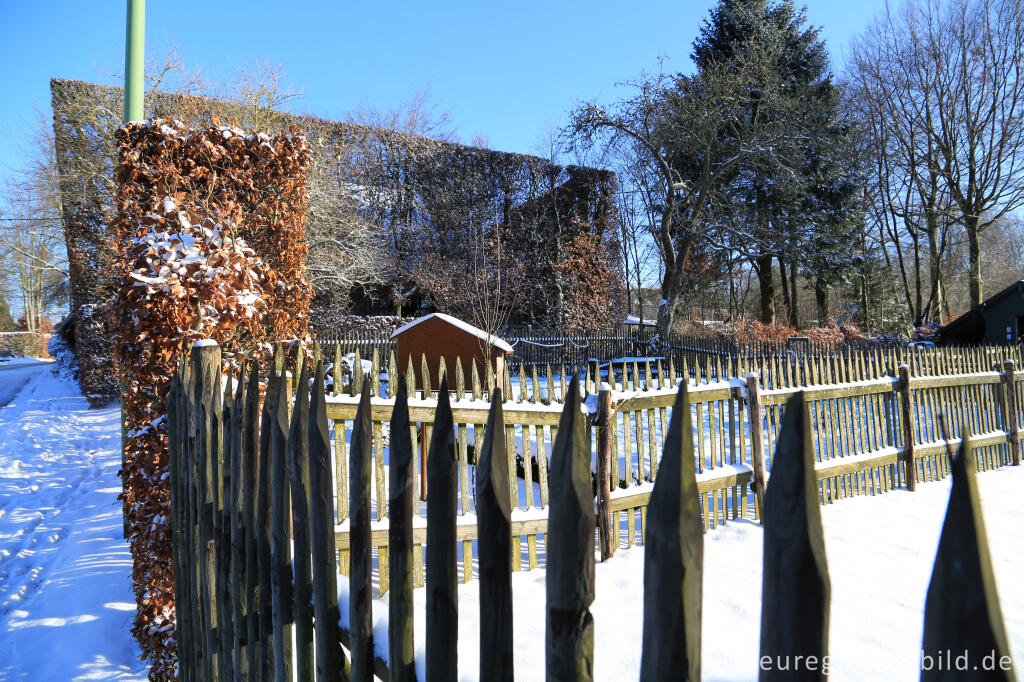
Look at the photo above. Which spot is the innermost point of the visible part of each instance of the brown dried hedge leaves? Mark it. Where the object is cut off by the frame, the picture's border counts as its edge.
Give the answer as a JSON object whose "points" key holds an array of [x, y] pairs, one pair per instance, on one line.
{"points": [[209, 228]]}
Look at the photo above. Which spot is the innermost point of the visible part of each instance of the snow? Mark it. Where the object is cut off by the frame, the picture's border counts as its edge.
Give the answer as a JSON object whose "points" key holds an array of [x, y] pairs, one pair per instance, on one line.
{"points": [[15, 373], [639, 359], [7, 363], [176, 262], [723, 471], [880, 553], [464, 326], [66, 605], [431, 403], [861, 458]]}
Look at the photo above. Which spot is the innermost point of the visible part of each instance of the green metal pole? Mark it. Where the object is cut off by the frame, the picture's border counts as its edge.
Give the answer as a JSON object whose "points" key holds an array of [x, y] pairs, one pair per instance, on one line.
{"points": [[134, 110], [135, 61]]}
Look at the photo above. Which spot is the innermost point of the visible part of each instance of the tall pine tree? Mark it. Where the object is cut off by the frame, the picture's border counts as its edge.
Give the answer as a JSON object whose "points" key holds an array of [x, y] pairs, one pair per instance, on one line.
{"points": [[794, 201]]}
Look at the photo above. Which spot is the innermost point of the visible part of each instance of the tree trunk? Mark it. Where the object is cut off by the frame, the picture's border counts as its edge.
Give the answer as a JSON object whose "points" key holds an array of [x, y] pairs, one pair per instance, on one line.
{"points": [[938, 294], [784, 280], [918, 288], [865, 301], [864, 297], [732, 291], [667, 304], [794, 314], [974, 251], [672, 289], [821, 298], [766, 288]]}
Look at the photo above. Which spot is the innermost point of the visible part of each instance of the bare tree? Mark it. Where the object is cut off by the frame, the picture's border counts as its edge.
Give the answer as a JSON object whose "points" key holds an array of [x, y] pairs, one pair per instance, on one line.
{"points": [[32, 253], [636, 219], [345, 247], [942, 78], [905, 199], [693, 132]]}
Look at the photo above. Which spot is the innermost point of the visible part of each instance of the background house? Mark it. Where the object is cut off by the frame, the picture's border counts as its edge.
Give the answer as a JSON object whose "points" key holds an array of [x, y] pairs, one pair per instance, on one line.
{"points": [[998, 320]]}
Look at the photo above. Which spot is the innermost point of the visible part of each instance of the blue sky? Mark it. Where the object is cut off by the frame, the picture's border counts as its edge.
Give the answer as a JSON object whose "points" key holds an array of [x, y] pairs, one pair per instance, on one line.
{"points": [[508, 71]]}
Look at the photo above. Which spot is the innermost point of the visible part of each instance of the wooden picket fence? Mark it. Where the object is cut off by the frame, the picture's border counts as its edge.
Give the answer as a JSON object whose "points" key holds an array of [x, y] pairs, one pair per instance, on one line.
{"points": [[795, 365], [254, 507], [859, 412], [579, 349], [364, 343], [859, 405], [534, 404], [534, 349], [711, 359]]}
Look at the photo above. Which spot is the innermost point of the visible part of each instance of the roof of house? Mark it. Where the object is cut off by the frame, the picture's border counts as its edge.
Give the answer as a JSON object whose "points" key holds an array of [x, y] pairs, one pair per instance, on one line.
{"points": [[456, 322], [635, 319], [972, 314]]}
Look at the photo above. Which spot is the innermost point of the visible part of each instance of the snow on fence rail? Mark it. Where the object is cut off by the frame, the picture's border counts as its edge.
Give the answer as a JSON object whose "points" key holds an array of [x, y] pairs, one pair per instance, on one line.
{"points": [[260, 499]]}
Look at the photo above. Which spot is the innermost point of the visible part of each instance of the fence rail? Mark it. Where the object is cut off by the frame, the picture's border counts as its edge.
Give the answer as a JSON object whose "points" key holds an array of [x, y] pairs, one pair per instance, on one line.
{"points": [[262, 484]]}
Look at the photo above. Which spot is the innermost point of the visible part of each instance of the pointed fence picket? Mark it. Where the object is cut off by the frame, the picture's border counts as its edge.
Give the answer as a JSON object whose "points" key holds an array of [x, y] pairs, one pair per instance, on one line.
{"points": [[796, 592]]}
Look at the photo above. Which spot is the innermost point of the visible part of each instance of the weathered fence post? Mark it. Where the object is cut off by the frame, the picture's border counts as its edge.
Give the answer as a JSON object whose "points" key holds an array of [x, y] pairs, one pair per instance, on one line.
{"points": [[206, 364], [325, 586], [280, 548], [400, 604], [193, 501], [796, 590], [570, 542], [1012, 420], [605, 433], [222, 532], [298, 470], [673, 559], [239, 498], [175, 452], [178, 417], [757, 441], [494, 529], [961, 613], [360, 566], [264, 519], [442, 573], [907, 426], [251, 453]]}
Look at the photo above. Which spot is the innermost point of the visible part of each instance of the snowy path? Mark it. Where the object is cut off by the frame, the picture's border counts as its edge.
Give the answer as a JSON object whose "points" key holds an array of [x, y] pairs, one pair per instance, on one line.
{"points": [[15, 373], [65, 598]]}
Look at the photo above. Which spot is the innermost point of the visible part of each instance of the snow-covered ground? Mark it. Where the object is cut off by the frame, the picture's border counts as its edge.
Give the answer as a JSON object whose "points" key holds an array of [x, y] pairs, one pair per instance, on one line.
{"points": [[66, 604], [15, 373], [880, 554]]}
